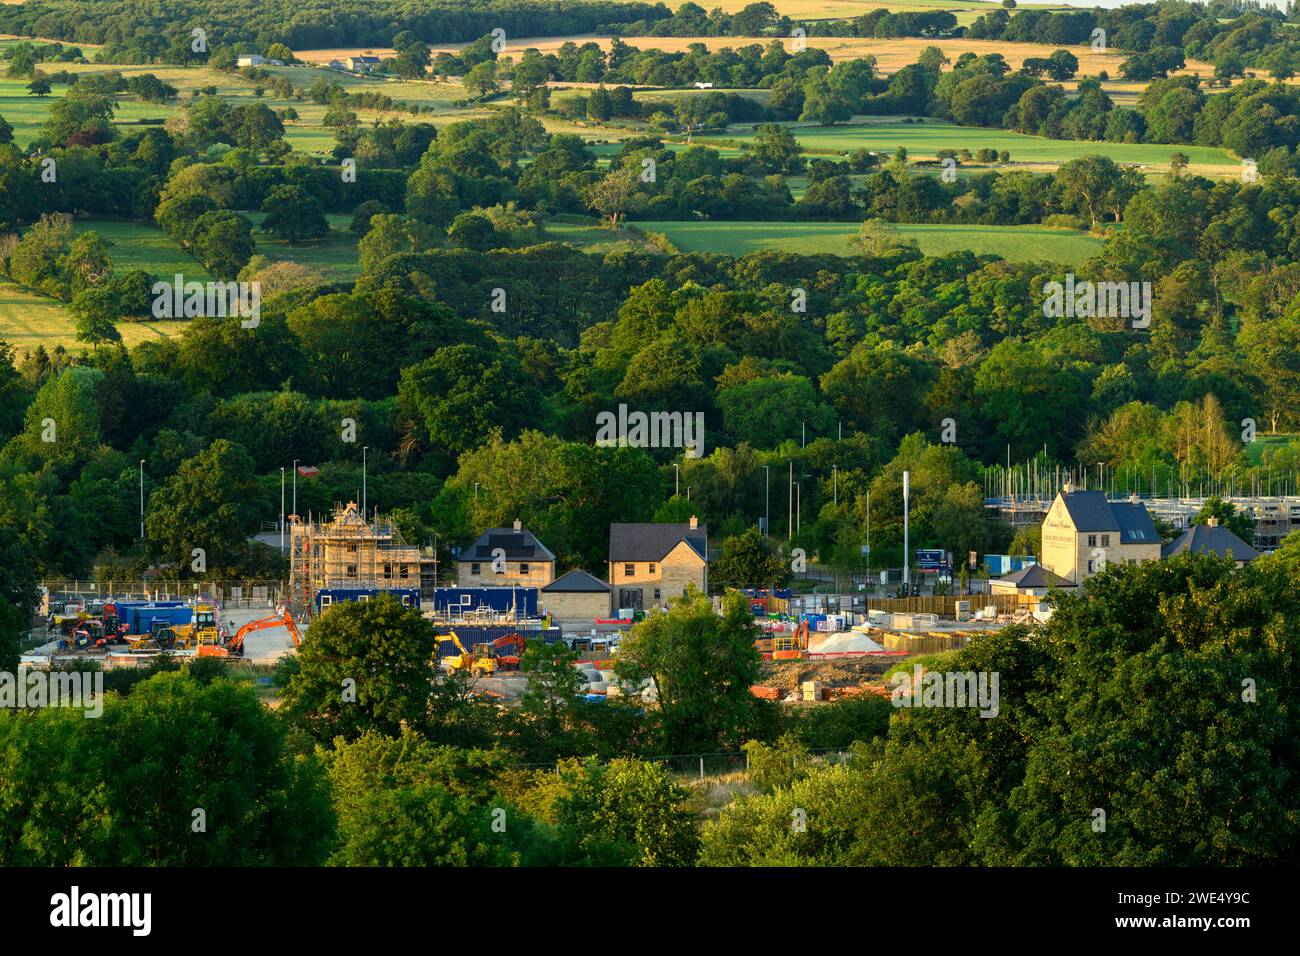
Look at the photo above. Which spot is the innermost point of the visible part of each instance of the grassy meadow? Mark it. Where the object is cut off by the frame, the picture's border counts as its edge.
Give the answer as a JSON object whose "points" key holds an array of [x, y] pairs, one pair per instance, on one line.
{"points": [[1014, 243], [923, 140]]}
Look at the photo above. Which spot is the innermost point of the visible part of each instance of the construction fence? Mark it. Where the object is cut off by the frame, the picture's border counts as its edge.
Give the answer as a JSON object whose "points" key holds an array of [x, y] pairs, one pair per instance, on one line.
{"points": [[704, 765], [946, 606], [225, 594]]}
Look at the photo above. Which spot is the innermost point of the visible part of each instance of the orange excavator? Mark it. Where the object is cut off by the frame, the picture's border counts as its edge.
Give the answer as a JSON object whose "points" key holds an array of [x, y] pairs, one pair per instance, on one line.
{"points": [[235, 646], [508, 650]]}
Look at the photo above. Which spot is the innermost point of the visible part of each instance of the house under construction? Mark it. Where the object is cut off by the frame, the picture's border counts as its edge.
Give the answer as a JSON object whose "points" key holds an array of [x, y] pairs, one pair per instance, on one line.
{"points": [[347, 553]]}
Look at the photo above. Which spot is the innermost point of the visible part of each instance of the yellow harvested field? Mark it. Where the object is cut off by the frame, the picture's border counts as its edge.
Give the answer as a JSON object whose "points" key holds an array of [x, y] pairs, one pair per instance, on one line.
{"points": [[828, 9], [342, 53], [14, 36], [891, 55]]}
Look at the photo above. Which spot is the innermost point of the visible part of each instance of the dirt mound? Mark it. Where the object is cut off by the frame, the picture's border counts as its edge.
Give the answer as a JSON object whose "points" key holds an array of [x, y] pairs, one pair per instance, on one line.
{"points": [[846, 672]]}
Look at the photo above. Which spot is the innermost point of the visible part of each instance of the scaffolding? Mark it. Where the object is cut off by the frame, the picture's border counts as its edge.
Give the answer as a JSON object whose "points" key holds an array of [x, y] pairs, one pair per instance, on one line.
{"points": [[348, 551]]}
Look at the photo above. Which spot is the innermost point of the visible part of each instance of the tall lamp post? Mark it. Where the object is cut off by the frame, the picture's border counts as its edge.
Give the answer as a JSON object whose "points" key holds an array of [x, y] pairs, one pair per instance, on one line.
{"points": [[767, 500], [907, 578], [141, 499]]}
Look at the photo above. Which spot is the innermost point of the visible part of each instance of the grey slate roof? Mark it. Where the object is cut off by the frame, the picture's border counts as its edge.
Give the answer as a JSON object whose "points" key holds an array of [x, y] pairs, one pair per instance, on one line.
{"points": [[651, 542], [1036, 576], [1090, 511], [1202, 539], [518, 546], [577, 581]]}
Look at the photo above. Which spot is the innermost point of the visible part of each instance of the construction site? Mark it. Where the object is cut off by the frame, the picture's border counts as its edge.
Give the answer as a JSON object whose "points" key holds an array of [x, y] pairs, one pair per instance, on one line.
{"points": [[348, 557], [810, 656], [814, 646]]}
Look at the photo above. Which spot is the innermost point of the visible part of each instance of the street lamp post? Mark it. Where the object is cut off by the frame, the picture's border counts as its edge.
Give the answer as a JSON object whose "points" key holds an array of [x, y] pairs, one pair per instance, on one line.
{"points": [[767, 500], [363, 482], [295, 486], [907, 481], [789, 518], [677, 480], [141, 499], [282, 508]]}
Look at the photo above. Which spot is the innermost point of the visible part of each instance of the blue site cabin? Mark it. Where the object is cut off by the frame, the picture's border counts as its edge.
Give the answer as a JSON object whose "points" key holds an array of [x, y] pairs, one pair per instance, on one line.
{"points": [[140, 617], [326, 597], [463, 602]]}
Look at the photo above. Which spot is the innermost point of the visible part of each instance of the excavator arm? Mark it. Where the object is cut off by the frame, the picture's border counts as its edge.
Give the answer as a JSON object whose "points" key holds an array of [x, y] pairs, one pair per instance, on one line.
{"points": [[236, 646]]}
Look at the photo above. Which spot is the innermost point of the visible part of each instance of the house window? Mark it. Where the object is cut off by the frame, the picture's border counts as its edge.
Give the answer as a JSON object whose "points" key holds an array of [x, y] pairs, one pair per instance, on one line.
{"points": [[1105, 541], [499, 570], [523, 569], [350, 570], [656, 594], [404, 572], [652, 567], [1092, 541], [473, 569], [1091, 568], [388, 571], [629, 570]]}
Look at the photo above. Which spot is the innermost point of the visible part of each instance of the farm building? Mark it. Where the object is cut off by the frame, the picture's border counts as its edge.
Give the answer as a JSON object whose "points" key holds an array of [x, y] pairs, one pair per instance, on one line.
{"points": [[361, 64], [577, 596]]}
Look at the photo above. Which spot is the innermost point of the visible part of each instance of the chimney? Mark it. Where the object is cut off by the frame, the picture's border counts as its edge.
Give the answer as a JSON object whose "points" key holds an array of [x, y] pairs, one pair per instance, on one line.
{"points": [[519, 525], [695, 523], [1211, 522]]}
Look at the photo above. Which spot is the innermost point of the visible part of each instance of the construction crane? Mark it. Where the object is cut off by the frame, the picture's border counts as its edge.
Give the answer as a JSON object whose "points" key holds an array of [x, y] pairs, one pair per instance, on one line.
{"points": [[235, 647]]}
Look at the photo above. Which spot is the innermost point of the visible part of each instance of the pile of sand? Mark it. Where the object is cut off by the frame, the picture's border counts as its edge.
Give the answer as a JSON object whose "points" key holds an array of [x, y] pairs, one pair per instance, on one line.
{"points": [[841, 642]]}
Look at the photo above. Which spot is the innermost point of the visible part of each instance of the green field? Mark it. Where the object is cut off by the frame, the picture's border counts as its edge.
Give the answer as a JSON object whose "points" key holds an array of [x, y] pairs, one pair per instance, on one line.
{"points": [[1014, 243], [924, 140], [142, 246], [28, 320], [1255, 450]]}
